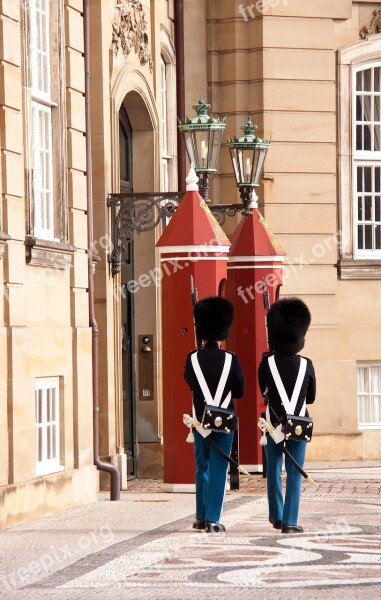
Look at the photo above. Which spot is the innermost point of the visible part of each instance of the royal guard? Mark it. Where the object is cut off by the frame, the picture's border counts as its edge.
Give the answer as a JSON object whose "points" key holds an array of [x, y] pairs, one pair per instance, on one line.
{"points": [[193, 250], [287, 382], [216, 380]]}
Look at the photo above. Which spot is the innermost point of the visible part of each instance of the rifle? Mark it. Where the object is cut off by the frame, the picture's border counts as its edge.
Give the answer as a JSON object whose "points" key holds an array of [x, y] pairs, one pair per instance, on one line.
{"points": [[266, 295], [266, 304], [194, 298]]}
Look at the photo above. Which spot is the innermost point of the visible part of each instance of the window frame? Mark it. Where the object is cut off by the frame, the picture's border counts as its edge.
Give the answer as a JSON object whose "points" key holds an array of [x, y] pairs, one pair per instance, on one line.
{"points": [[165, 156], [41, 102], [51, 100], [352, 264], [364, 158], [168, 138], [363, 425], [125, 125], [40, 94], [53, 464], [43, 211]]}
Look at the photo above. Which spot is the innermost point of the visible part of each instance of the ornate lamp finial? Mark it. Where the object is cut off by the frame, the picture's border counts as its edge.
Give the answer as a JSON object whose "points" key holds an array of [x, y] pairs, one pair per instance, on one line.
{"points": [[202, 107], [249, 128]]}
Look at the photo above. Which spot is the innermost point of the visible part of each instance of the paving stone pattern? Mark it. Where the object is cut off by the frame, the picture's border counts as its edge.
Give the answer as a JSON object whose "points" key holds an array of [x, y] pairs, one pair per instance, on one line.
{"points": [[338, 555]]}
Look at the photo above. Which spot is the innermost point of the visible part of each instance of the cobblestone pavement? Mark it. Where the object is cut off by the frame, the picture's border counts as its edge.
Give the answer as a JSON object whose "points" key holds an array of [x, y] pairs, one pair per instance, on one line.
{"points": [[329, 477], [144, 546]]}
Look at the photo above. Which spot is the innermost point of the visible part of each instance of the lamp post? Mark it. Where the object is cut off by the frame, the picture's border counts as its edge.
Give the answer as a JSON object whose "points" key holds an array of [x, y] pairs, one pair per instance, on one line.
{"points": [[248, 154], [202, 137]]}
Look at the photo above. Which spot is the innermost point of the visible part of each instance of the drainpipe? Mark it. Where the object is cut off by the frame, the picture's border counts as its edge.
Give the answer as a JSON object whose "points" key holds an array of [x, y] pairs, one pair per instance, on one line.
{"points": [[180, 90], [101, 466]]}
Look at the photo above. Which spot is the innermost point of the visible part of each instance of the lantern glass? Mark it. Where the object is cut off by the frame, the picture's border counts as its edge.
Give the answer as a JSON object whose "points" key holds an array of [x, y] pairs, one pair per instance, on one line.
{"points": [[248, 164], [215, 139], [191, 147], [203, 148], [235, 161], [259, 156]]}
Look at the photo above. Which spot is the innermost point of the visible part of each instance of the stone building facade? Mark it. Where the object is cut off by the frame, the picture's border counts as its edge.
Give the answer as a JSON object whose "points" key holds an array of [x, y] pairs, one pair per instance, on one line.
{"points": [[309, 75], [45, 348], [308, 72]]}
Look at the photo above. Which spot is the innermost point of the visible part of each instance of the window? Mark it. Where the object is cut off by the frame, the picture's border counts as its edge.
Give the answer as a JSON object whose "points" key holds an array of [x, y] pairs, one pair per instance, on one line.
{"points": [[367, 160], [45, 119], [125, 151], [47, 406], [359, 159], [168, 125], [42, 171], [42, 159], [369, 396], [164, 127]]}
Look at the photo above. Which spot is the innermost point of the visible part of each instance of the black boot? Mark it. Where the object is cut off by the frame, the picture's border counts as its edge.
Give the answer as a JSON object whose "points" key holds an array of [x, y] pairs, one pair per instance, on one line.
{"points": [[214, 527], [275, 523], [292, 529], [199, 524]]}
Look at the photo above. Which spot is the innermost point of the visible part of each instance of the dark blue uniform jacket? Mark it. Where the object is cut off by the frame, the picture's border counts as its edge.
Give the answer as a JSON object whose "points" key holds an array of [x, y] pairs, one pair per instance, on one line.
{"points": [[288, 367], [211, 360]]}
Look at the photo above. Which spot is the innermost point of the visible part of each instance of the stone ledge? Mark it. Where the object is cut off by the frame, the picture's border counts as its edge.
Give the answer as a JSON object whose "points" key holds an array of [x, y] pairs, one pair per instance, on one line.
{"points": [[359, 269], [4, 237], [48, 253], [26, 500]]}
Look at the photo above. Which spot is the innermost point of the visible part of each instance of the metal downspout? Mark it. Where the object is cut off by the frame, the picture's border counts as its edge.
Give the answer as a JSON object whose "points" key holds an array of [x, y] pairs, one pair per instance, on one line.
{"points": [[180, 90], [101, 466]]}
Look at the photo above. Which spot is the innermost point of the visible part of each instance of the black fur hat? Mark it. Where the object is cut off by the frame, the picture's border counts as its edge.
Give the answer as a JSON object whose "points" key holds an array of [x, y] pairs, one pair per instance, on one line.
{"points": [[213, 317], [287, 323]]}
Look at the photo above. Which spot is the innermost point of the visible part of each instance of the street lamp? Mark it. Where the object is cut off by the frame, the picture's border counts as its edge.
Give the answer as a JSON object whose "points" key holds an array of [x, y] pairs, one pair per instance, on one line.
{"points": [[248, 155], [202, 137]]}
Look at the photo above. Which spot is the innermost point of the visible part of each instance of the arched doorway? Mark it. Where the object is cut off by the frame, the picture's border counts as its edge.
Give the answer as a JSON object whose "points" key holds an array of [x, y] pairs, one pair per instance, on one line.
{"points": [[127, 300], [137, 150]]}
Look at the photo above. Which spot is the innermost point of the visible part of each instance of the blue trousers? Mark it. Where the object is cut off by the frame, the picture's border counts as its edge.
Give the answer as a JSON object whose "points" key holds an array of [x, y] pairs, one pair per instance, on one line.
{"points": [[211, 475], [286, 511]]}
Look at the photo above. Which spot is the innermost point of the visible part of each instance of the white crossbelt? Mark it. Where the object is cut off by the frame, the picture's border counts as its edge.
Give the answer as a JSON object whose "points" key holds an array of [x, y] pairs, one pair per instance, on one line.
{"points": [[221, 385], [289, 405]]}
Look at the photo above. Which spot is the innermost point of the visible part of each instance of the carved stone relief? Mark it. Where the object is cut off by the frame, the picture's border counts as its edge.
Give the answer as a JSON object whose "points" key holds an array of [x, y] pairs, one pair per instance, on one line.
{"points": [[129, 31], [374, 25]]}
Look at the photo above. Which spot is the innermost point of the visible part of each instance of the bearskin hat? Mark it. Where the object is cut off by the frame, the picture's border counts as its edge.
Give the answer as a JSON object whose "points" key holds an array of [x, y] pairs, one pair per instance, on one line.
{"points": [[213, 317], [287, 323]]}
